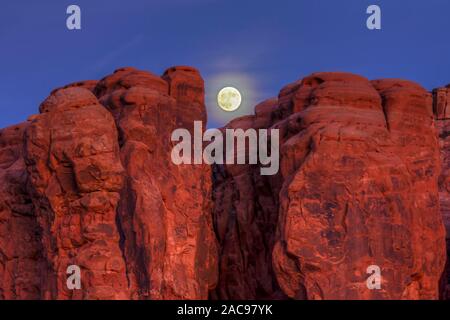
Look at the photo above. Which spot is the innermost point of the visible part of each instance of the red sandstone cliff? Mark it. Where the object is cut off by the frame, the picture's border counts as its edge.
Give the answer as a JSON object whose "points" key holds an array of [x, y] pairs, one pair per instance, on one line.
{"points": [[442, 111], [358, 187], [89, 182]]}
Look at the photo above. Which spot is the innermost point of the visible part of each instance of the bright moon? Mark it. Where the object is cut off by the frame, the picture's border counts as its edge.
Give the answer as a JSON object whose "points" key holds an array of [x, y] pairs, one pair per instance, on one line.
{"points": [[229, 99]]}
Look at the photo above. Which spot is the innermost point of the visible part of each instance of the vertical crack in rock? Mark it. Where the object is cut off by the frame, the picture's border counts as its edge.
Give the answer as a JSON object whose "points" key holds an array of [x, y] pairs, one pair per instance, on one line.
{"points": [[245, 214]]}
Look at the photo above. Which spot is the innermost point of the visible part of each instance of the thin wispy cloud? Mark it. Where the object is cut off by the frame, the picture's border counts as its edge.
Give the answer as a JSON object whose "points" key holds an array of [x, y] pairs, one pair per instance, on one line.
{"points": [[109, 61]]}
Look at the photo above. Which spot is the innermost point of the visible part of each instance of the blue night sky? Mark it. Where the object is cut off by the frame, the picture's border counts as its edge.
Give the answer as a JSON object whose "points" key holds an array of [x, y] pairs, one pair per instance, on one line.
{"points": [[257, 46]]}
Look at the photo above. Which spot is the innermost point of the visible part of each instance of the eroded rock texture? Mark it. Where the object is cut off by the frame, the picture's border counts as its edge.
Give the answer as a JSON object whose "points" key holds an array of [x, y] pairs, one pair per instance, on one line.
{"points": [[165, 210], [358, 187], [442, 114], [89, 182], [72, 158], [21, 252]]}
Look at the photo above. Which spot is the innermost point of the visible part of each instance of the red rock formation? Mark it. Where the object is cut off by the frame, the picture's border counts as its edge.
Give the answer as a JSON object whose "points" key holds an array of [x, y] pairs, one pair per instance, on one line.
{"points": [[359, 170], [441, 103], [442, 114], [165, 210], [95, 187], [90, 182], [21, 260], [72, 157]]}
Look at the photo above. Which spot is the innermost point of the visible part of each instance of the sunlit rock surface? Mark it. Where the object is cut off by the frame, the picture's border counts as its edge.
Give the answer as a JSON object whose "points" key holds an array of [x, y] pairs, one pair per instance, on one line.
{"points": [[89, 182], [358, 187]]}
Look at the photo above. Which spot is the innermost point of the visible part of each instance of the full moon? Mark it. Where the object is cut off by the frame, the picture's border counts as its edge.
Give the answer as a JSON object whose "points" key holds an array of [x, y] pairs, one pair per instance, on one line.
{"points": [[229, 99]]}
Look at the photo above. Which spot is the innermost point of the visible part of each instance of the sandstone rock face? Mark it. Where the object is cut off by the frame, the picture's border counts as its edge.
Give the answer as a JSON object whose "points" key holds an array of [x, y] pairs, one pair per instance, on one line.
{"points": [[21, 260], [165, 210], [441, 102], [358, 187], [89, 182], [73, 162], [442, 114]]}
